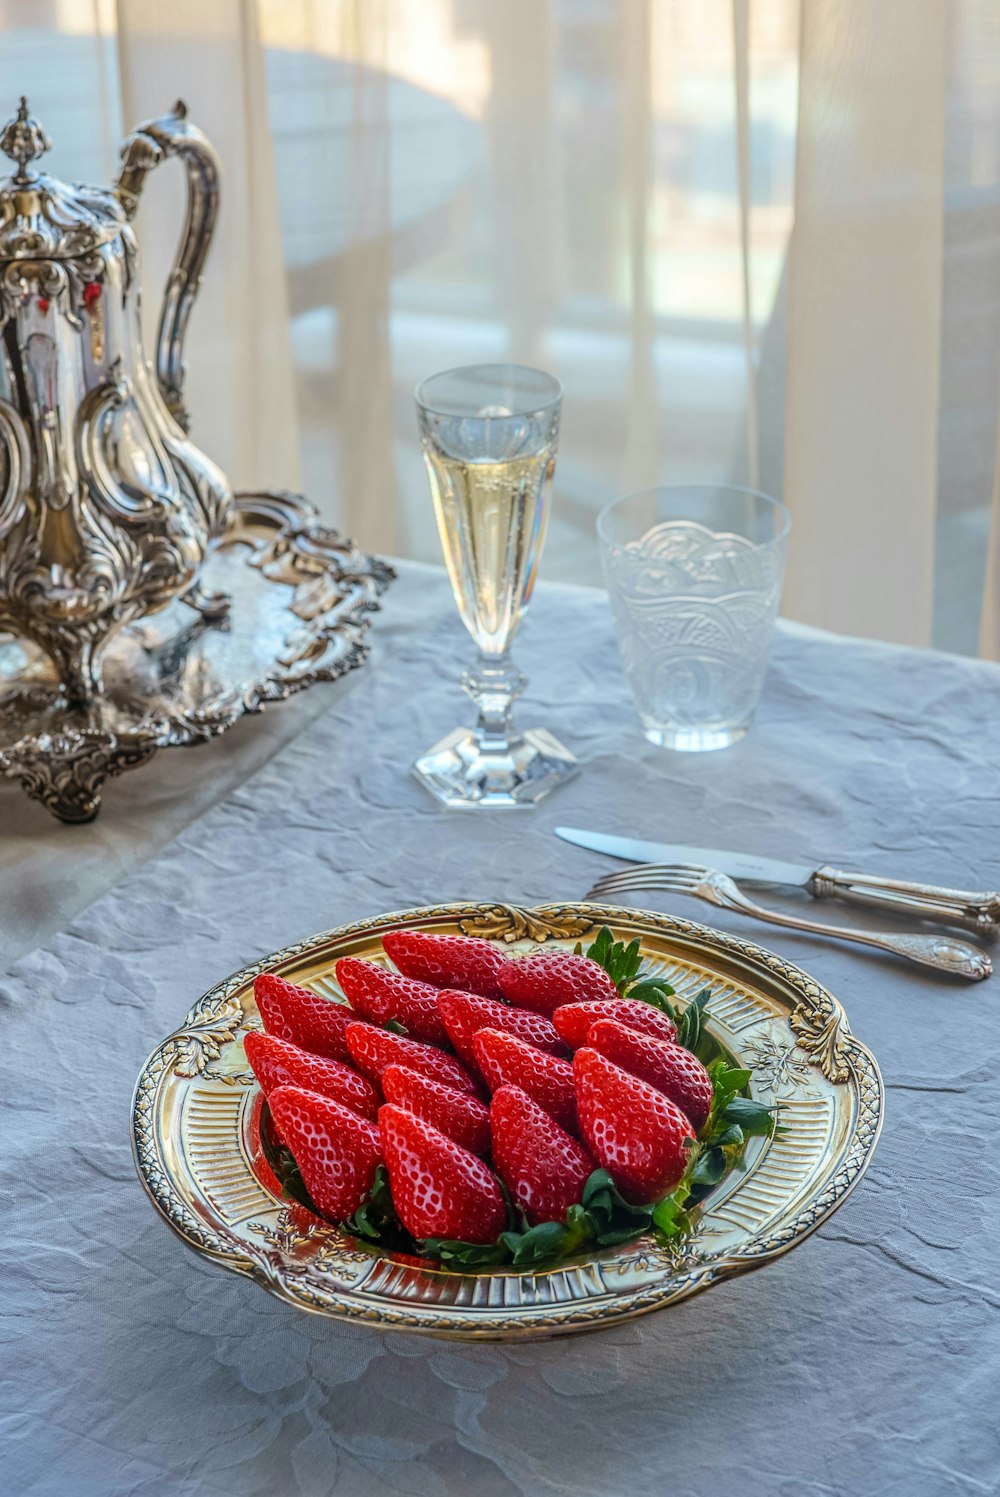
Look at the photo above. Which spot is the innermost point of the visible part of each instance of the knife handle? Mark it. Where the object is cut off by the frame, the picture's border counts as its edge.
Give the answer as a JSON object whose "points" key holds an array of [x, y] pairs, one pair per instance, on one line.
{"points": [[978, 911]]}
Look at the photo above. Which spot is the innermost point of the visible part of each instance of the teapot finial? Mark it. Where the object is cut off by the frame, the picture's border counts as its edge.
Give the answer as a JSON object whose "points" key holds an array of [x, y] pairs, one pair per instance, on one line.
{"points": [[23, 139]]}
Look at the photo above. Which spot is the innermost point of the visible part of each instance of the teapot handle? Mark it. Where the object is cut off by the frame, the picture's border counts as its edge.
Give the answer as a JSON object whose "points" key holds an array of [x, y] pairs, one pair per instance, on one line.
{"points": [[146, 147]]}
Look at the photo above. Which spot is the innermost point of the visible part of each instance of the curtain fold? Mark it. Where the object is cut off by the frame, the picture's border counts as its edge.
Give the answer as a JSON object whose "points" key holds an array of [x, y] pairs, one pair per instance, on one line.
{"points": [[367, 501], [864, 317], [240, 376], [641, 457], [989, 628], [741, 89]]}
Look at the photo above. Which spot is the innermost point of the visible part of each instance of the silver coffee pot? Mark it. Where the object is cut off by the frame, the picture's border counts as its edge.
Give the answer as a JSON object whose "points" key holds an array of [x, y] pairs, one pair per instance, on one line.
{"points": [[106, 507]]}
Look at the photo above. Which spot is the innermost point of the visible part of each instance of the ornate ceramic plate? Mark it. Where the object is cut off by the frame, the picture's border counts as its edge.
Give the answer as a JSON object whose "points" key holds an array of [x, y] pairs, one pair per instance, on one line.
{"points": [[195, 1133]]}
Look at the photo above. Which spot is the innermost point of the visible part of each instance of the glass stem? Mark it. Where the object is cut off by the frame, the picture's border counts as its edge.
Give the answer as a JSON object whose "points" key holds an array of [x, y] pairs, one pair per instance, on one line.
{"points": [[494, 683]]}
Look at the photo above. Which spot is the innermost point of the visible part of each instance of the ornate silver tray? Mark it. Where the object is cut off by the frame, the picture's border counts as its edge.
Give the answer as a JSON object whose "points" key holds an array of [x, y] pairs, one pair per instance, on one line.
{"points": [[282, 602], [195, 1135]]}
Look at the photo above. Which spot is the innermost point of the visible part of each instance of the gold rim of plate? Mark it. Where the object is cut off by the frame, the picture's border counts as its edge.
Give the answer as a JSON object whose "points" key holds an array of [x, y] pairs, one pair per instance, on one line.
{"points": [[196, 1143]]}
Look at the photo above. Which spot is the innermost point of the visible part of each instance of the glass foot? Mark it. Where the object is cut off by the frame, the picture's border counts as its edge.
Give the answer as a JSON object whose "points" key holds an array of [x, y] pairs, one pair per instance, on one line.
{"points": [[695, 740], [468, 769]]}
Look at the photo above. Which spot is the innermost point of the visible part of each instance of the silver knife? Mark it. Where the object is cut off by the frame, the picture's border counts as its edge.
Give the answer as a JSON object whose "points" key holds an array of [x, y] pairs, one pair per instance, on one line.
{"points": [[980, 910]]}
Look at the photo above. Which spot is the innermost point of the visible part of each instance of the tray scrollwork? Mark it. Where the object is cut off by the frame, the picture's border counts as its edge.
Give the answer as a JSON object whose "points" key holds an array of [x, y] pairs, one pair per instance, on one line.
{"points": [[282, 602]]}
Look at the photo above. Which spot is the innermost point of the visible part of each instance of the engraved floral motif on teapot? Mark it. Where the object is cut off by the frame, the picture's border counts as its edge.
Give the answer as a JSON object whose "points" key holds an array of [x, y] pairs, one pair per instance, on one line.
{"points": [[106, 506]]}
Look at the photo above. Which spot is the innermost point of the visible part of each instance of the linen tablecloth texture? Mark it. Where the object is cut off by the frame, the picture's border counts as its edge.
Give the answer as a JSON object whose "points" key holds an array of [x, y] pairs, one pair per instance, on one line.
{"points": [[862, 1363]]}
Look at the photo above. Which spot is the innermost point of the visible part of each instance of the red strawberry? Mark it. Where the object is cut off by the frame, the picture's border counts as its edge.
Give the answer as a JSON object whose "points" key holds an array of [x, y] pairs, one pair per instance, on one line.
{"points": [[549, 979], [507, 1061], [464, 1014], [277, 1063], [296, 1014], [373, 1049], [438, 1188], [673, 1070], [336, 1150], [543, 1168], [632, 1129], [447, 961], [573, 1020], [379, 995], [454, 1113]]}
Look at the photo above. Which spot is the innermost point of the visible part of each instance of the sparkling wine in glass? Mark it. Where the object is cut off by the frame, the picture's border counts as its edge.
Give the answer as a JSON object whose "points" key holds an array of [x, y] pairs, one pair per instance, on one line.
{"points": [[489, 436]]}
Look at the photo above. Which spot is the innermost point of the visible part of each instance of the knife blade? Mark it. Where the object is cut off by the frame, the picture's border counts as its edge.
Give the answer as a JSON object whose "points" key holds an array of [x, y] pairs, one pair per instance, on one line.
{"points": [[739, 865]]}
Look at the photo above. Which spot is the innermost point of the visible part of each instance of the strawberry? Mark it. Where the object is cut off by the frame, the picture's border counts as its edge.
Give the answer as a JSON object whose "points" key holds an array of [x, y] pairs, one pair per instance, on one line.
{"points": [[673, 1070], [373, 1049], [633, 1130], [549, 979], [277, 1063], [438, 1188], [464, 1014], [506, 1060], [296, 1014], [336, 1151], [454, 1113], [543, 1168], [379, 995], [573, 1020], [447, 961]]}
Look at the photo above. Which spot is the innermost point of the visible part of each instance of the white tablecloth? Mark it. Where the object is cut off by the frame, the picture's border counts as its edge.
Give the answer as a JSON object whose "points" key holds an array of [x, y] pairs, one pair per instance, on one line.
{"points": [[863, 1363]]}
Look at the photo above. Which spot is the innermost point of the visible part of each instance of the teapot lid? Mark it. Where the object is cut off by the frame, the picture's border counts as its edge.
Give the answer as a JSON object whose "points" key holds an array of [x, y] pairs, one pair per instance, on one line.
{"points": [[41, 217]]}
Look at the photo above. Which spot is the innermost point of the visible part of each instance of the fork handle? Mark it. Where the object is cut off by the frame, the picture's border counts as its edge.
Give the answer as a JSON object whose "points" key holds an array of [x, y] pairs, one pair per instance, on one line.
{"points": [[942, 952], [978, 910]]}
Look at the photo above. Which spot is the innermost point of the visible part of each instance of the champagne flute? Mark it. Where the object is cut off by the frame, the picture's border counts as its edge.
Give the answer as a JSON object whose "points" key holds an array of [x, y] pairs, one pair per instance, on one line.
{"points": [[489, 436]]}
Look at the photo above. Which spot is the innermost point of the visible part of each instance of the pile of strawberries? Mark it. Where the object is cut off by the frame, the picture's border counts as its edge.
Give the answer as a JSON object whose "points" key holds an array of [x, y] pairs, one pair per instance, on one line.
{"points": [[474, 1080]]}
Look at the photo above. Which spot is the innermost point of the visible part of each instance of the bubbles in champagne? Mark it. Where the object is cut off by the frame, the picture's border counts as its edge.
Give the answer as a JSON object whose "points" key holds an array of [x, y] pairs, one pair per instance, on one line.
{"points": [[491, 518]]}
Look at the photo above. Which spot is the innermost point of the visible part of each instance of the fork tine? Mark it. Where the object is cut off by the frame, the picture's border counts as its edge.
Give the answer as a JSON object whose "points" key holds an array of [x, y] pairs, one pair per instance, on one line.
{"points": [[677, 886], [626, 896], [675, 874], [618, 881]]}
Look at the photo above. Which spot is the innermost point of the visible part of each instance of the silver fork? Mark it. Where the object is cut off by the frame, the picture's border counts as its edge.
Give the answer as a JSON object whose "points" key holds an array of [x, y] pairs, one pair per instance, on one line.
{"points": [[944, 952]]}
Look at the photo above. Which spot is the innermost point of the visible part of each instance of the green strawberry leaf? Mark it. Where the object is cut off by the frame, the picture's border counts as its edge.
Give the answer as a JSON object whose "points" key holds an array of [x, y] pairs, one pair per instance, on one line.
{"points": [[538, 1244], [656, 992], [468, 1254], [755, 1119], [709, 1167], [619, 961], [728, 1082], [395, 1027], [618, 1235], [608, 1209], [689, 1024], [622, 964], [375, 1219], [580, 1228], [669, 1216]]}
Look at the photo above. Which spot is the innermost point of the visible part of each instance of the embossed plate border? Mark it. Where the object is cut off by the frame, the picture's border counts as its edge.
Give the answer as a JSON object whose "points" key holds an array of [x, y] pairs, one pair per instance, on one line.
{"points": [[194, 1137]]}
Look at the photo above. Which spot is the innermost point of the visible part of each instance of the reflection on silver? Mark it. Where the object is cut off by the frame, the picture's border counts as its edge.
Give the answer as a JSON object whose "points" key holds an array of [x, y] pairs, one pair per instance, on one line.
{"points": [[106, 508], [301, 596], [943, 952]]}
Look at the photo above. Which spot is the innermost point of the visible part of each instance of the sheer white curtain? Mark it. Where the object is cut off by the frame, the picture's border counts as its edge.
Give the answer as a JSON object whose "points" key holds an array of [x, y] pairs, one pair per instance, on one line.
{"points": [[864, 316], [241, 389], [758, 240]]}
